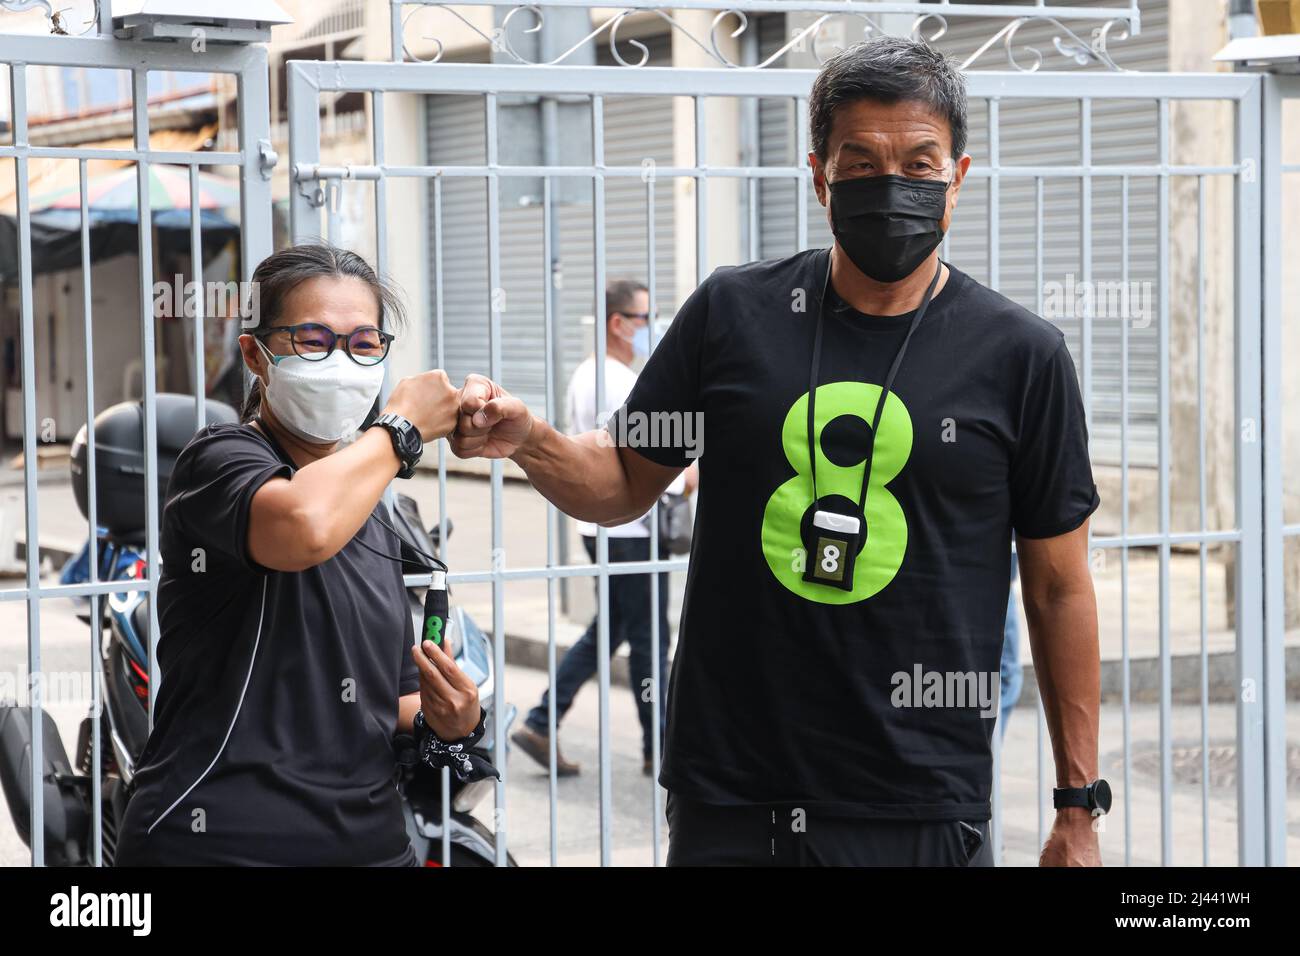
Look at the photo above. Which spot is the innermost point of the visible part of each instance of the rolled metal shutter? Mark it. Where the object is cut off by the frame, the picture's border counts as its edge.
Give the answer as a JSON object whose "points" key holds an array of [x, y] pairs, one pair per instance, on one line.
{"points": [[636, 129]]}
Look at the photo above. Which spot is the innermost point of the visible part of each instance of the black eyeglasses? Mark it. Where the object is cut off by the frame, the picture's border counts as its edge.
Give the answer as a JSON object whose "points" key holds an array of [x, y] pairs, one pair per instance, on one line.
{"points": [[314, 342], [647, 316]]}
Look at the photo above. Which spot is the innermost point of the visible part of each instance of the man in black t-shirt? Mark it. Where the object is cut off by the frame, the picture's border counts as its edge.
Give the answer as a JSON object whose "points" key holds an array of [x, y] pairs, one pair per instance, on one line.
{"points": [[876, 425]]}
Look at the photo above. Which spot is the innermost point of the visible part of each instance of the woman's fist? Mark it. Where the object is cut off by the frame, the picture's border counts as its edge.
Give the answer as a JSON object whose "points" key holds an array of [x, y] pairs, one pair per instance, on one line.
{"points": [[428, 401]]}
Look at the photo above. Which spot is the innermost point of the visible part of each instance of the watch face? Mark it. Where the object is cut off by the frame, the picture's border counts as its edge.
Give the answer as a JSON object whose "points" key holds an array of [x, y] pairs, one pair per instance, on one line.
{"points": [[411, 440], [1101, 795]]}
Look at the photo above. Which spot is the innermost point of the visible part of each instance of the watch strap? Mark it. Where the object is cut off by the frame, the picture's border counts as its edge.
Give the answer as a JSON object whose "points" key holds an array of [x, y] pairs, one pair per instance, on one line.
{"points": [[395, 425], [1070, 797]]}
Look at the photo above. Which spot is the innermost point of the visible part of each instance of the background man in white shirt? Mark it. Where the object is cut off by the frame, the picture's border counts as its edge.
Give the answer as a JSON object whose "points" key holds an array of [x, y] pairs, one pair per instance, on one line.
{"points": [[627, 339]]}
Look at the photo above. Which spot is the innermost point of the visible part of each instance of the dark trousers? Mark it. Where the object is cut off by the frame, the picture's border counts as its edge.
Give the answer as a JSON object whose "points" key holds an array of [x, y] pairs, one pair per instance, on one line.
{"points": [[629, 620], [701, 834]]}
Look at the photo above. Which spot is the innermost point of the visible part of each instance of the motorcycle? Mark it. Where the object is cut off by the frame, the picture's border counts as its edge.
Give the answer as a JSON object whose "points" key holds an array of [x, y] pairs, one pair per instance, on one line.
{"points": [[68, 786]]}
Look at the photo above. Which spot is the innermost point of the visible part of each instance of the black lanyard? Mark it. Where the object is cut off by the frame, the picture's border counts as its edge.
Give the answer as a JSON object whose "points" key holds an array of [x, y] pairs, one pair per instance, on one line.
{"points": [[884, 392]]}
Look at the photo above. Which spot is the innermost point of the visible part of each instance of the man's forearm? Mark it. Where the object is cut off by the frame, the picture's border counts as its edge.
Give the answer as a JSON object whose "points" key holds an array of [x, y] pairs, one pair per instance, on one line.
{"points": [[582, 475], [1063, 639]]}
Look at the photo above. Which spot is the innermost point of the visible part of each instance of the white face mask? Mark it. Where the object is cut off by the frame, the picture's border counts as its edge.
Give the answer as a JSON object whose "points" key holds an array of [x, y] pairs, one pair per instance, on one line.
{"points": [[321, 401]]}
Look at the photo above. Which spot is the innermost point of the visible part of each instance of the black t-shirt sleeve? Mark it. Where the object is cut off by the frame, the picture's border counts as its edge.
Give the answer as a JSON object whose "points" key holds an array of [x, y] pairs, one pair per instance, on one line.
{"points": [[1052, 488], [668, 389], [212, 490]]}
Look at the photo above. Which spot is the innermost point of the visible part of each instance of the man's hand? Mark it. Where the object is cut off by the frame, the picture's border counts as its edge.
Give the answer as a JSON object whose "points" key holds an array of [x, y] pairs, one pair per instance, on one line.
{"points": [[493, 423], [448, 697], [1073, 841]]}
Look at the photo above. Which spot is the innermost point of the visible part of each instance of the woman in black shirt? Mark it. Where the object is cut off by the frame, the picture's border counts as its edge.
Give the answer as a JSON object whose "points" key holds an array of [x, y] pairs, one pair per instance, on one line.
{"points": [[286, 643]]}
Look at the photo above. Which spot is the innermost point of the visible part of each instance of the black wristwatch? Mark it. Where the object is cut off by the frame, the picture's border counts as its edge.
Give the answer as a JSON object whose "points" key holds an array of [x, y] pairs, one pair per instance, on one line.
{"points": [[1095, 797], [406, 441]]}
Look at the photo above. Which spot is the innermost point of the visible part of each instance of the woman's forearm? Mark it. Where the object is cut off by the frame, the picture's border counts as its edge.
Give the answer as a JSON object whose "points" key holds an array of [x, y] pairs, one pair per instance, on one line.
{"points": [[299, 522], [407, 706]]}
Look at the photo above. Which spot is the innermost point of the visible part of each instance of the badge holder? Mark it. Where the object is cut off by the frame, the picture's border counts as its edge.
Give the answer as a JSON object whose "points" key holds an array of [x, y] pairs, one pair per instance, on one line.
{"points": [[835, 544]]}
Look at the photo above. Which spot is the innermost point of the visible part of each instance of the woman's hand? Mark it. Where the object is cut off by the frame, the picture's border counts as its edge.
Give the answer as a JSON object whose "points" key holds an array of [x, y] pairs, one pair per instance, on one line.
{"points": [[448, 697], [428, 401]]}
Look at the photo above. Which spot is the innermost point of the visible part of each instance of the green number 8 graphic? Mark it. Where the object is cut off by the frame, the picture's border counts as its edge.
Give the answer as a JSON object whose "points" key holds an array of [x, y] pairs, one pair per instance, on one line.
{"points": [[882, 555], [433, 630]]}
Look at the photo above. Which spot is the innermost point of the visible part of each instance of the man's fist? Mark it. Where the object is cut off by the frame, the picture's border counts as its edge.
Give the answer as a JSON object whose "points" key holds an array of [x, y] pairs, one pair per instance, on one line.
{"points": [[493, 423]]}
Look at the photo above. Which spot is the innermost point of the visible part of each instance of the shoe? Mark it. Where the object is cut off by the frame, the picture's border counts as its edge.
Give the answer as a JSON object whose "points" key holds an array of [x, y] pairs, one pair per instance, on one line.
{"points": [[538, 746]]}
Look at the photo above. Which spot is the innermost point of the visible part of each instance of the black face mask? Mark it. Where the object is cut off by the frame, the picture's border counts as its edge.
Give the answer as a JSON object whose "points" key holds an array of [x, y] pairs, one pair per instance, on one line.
{"points": [[887, 225]]}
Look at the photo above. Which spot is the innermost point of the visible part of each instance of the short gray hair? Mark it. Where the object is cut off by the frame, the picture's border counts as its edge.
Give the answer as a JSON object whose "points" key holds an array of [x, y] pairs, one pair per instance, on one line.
{"points": [[889, 69]]}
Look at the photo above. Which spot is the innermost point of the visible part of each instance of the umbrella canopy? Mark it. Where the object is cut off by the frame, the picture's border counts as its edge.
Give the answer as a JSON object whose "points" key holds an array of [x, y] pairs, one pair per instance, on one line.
{"points": [[115, 191]]}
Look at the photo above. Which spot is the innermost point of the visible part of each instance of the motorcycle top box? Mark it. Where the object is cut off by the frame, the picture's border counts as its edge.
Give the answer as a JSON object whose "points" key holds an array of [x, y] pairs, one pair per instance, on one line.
{"points": [[119, 457]]}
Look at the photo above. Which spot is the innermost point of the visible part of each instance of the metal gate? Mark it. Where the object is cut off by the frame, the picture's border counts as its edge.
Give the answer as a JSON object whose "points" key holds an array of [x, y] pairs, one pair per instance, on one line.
{"points": [[999, 91], [1012, 189]]}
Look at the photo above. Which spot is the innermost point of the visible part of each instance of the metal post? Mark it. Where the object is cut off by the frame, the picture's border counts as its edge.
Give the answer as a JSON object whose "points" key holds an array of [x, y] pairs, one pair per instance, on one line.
{"points": [[256, 236], [18, 107], [602, 536], [304, 149], [1251, 796], [1272, 439], [498, 521], [92, 509], [140, 110], [1166, 680]]}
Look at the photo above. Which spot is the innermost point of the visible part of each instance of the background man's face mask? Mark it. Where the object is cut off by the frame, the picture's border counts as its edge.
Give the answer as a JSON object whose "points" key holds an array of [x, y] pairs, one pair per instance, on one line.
{"points": [[641, 341], [888, 225], [321, 401]]}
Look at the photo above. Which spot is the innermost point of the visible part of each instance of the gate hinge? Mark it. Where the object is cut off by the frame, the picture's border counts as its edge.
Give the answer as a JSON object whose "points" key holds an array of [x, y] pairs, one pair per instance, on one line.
{"points": [[266, 157], [1248, 170]]}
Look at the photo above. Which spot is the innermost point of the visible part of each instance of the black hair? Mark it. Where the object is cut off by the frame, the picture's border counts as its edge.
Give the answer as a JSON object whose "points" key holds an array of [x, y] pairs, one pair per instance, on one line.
{"points": [[281, 272], [889, 69]]}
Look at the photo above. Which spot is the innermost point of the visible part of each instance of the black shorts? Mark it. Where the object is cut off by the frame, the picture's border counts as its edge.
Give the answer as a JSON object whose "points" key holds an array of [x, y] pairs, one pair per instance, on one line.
{"points": [[702, 834]]}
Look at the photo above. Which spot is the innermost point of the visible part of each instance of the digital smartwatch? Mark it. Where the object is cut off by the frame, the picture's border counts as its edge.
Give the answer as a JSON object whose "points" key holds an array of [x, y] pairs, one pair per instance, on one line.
{"points": [[406, 441], [1095, 797]]}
